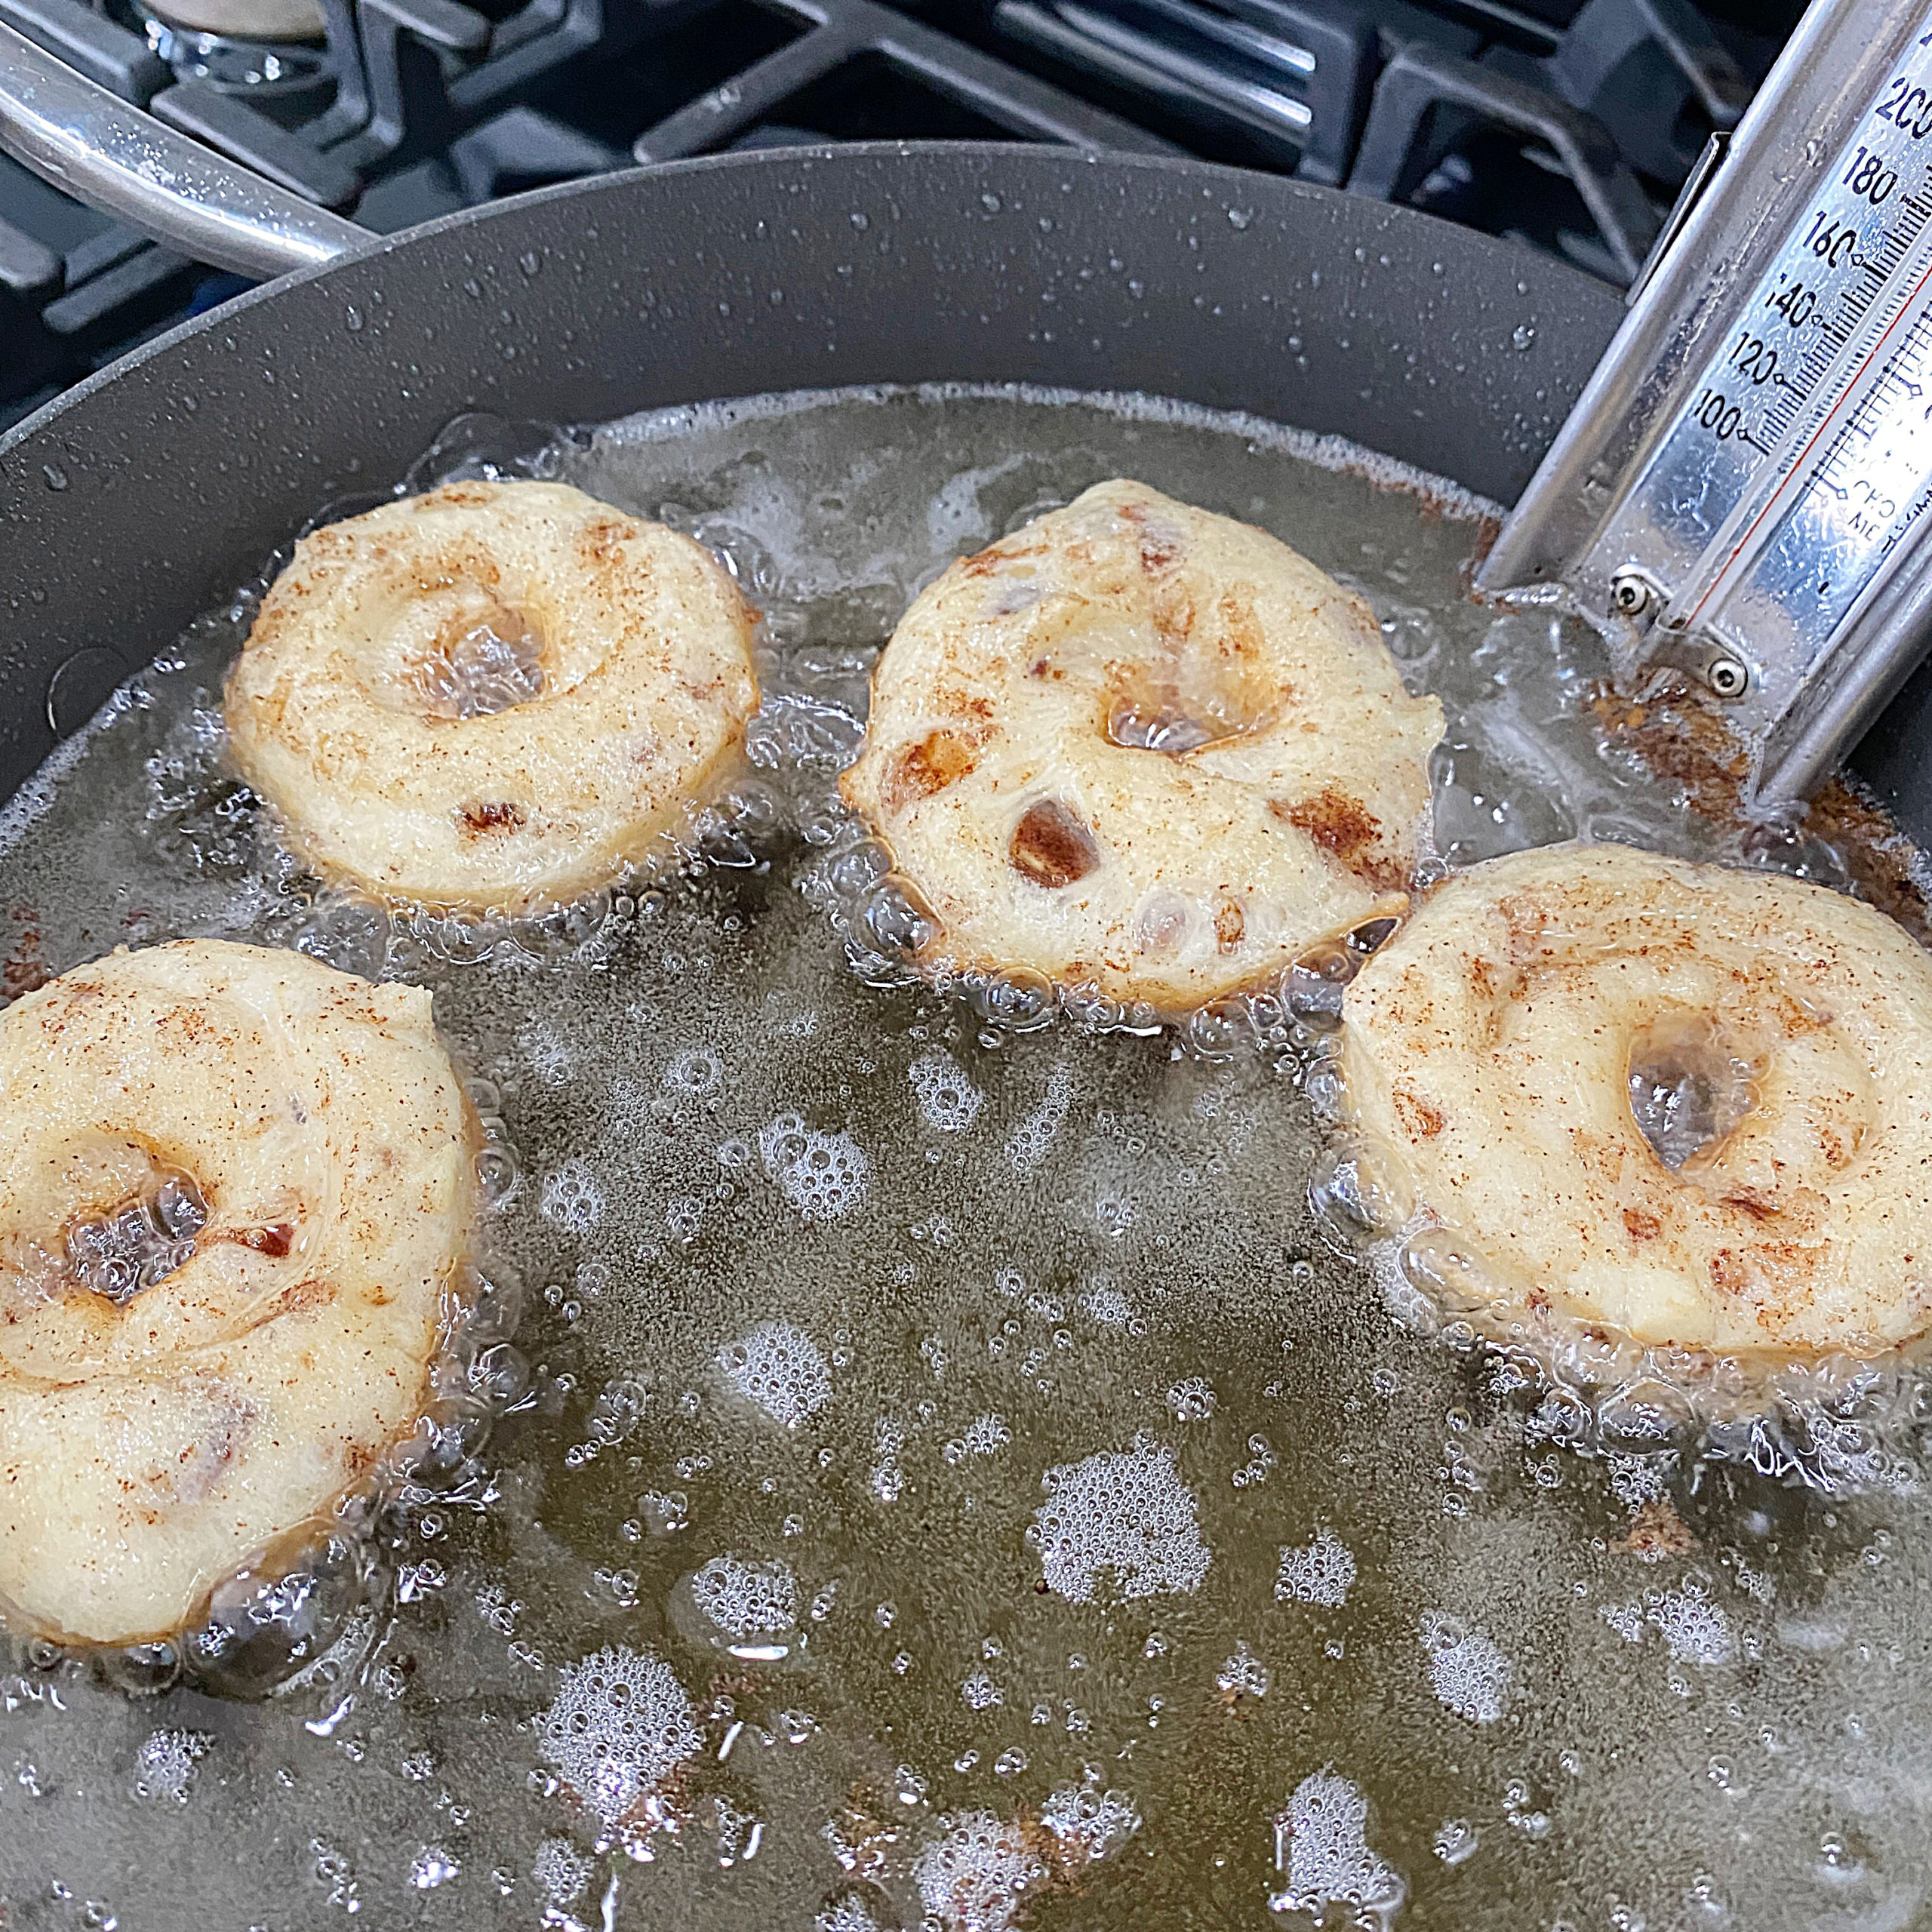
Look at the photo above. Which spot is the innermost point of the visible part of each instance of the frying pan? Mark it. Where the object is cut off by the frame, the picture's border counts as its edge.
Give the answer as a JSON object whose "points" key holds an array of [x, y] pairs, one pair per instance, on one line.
{"points": [[139, 499]]}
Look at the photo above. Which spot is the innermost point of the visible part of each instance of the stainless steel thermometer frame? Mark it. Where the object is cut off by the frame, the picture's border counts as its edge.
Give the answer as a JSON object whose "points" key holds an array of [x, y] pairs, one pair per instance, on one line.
{"points": [[1719, 468]]}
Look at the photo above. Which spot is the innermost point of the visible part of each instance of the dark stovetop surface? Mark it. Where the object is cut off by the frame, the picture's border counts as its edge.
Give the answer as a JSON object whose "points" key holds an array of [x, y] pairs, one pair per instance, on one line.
{"points": [[1568, 125]]}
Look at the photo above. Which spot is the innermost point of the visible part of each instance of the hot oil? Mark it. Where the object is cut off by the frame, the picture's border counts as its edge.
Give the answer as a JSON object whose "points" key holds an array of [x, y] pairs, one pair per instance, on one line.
{"points": [[963, 1435]]}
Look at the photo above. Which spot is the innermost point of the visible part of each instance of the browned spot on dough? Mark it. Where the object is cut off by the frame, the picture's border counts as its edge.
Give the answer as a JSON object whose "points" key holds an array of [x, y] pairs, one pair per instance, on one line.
{"points": [[1345, 827], [600, 541], [23, 971], [1792, 1262], [1173, 615], [486, 815], [1159, 549], [1758, 1210], [1245, 635], [188, 1025], [275, 1241], [1603, 1153], [983, 563], [303, 1296], [1731, 1273], [1642, 1226], [333, 540], [461, 494], [1230, 922], [1656, 1531], [1420, 1120], [1527, 922], [929, 766], [467, 571], [1050, 846]]}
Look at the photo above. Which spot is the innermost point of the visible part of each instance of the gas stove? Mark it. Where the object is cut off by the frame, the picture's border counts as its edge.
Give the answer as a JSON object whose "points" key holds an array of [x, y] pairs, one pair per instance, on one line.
{"points": [[1569, 126]]}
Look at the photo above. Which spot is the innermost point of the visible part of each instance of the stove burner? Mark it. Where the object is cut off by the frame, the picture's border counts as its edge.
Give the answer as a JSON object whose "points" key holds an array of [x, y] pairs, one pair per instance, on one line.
{"points": [[265, 63], [250, 20], [1568, 127]]}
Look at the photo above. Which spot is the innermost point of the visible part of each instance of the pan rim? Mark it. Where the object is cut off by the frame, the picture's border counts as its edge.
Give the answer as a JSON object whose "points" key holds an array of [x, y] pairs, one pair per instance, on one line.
{"points": [[1391, 214]]}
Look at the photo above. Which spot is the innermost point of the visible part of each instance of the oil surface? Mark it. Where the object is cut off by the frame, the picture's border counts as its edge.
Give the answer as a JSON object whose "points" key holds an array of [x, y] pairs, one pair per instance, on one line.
{"points": [[956, 1480]]}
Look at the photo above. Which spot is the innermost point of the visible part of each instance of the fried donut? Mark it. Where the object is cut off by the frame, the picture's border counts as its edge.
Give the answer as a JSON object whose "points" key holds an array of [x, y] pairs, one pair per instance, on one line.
{"points": [[1140, 747], [236, 1186], [492, 697], [1775, 1037]]}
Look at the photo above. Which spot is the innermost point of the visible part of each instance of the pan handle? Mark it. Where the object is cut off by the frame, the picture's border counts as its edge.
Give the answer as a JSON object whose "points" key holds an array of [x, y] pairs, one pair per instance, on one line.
{"points": [[92, 145]]}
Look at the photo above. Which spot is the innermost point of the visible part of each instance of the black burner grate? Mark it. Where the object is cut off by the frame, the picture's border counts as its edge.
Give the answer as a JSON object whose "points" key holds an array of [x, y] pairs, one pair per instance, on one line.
{"points": [[1569, 127]]}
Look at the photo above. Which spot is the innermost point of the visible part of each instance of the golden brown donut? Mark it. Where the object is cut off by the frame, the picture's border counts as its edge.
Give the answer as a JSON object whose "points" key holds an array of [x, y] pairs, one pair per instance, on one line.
{"points": [[1493, 1048], [236, 1187], [1141, 748], [492, 697]]}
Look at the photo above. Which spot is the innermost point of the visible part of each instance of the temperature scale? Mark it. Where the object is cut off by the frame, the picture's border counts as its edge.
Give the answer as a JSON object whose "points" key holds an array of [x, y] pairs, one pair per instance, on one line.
{"points": [[1746, 482]]}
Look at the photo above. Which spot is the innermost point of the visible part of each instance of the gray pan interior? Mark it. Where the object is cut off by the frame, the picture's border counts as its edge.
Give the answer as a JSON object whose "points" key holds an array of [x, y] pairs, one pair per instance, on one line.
{"points": [[141, 497]]}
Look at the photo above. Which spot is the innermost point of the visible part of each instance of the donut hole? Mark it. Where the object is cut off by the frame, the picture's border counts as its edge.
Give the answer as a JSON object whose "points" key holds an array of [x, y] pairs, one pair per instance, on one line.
{"points": [[140, 1240], [1166, 728], [1177, 705], [1690, 1087], [109, 1217], [456, 650], [483, 662]]}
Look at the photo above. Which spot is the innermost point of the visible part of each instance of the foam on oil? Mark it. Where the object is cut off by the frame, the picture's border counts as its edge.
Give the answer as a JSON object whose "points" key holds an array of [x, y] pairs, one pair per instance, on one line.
{"points": [[954, 1482]]}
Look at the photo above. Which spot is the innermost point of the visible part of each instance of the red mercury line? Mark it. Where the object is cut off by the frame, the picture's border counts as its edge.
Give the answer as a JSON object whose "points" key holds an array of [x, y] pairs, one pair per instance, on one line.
{"points": [[1830, 416]]}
